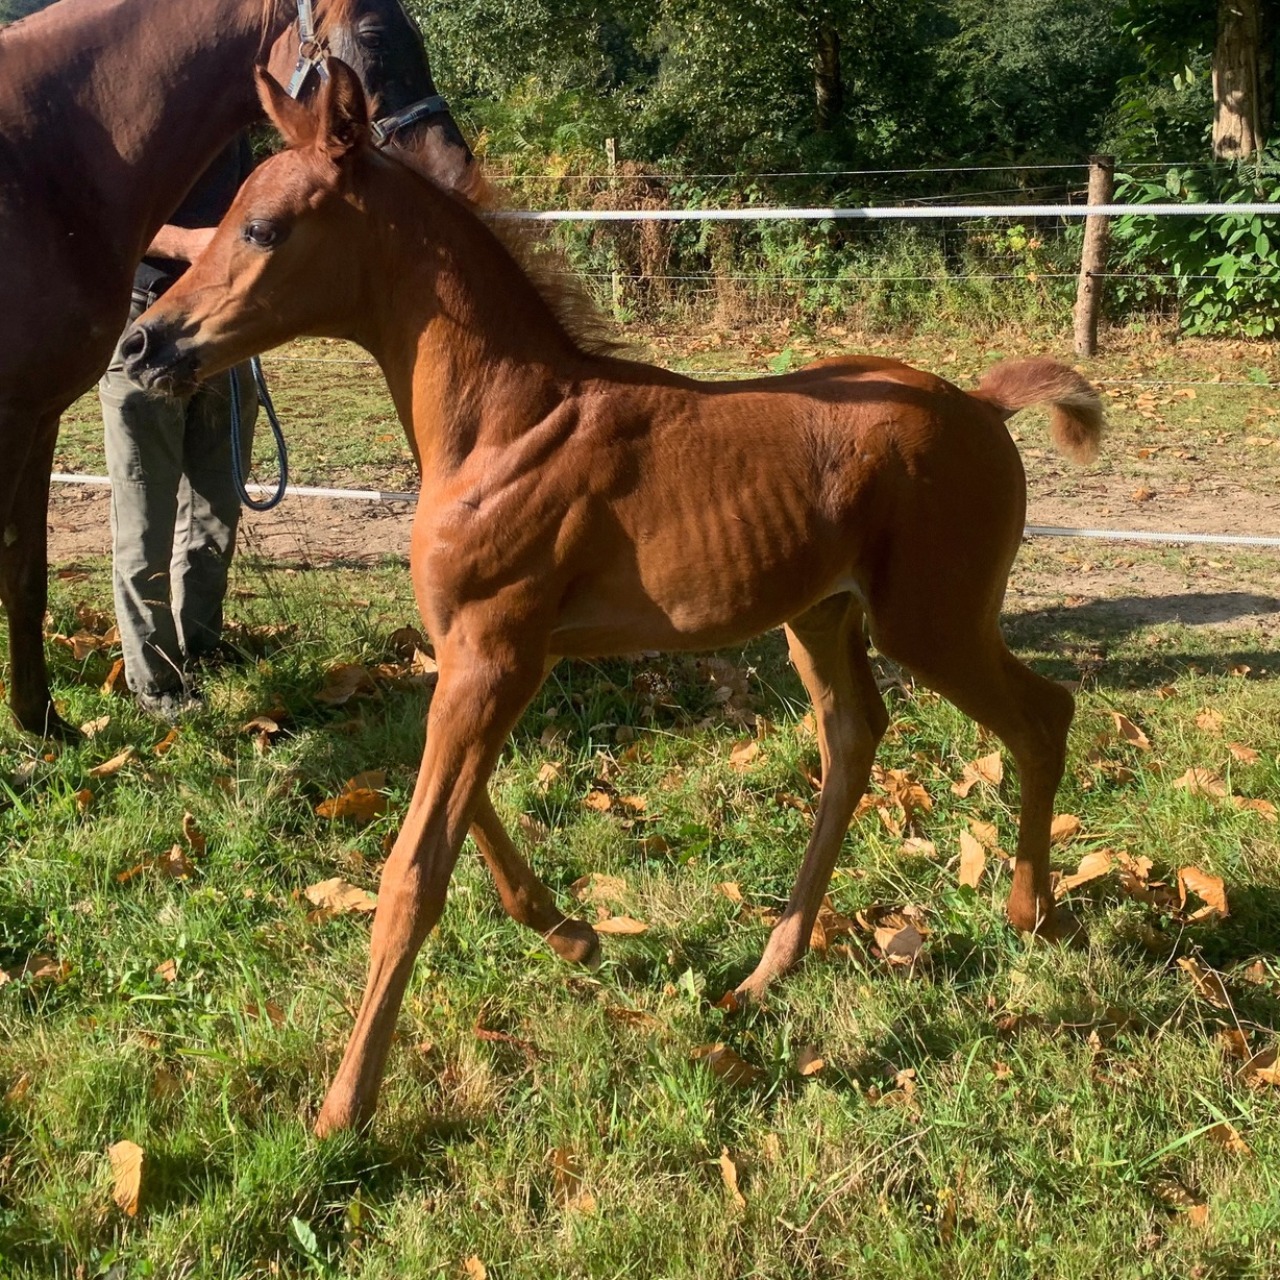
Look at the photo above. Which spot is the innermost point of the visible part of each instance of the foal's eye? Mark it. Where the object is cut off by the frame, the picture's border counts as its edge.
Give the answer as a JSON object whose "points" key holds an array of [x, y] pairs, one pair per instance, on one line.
{"points": [[262, 235]]}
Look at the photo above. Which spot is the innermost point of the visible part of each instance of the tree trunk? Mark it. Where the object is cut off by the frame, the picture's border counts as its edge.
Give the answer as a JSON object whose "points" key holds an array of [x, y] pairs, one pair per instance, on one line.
{"points": [[828, 87], [1243, 80]]}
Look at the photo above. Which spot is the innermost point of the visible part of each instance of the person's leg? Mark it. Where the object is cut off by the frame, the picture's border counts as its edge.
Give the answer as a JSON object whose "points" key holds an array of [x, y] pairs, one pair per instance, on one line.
{"points": [[209, 510], [143, 436]]}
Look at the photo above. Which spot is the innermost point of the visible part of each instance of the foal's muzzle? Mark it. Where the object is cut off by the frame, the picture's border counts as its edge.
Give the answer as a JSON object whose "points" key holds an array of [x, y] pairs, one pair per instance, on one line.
{"points": [[154, 359]]}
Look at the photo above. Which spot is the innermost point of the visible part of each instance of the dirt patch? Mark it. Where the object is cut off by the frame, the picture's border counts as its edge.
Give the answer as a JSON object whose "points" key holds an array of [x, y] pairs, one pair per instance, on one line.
{"points": [[1136, 585]]}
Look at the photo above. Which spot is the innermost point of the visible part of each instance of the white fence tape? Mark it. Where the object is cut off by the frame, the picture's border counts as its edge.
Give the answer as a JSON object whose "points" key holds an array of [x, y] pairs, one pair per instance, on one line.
{"points": [[886, 211], [1032, 530]]}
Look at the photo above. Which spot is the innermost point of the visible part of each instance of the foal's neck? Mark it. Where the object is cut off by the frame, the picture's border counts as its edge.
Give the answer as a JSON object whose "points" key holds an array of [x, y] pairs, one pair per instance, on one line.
{"points": [[472, 351]]}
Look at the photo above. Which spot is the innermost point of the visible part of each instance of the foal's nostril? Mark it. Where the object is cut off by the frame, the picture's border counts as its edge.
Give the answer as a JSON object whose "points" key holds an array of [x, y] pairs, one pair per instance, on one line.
{"points": [[134, 346]]}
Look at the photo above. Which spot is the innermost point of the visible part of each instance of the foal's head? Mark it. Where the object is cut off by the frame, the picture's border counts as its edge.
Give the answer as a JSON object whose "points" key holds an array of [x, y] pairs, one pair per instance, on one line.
{"points": [[285, 260]]}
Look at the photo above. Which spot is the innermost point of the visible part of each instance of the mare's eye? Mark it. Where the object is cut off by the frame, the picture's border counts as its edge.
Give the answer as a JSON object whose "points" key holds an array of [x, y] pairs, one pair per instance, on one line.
{"points": [[372, 38], [262, 235]]}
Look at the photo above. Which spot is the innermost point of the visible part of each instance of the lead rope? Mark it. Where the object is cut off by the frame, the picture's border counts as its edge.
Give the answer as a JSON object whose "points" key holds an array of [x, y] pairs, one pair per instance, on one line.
{"points": [[282, 451]]}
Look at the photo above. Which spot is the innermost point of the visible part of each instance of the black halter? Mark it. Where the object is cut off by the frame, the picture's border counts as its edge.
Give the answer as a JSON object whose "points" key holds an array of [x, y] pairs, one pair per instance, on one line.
{"points": [[311, 56]]}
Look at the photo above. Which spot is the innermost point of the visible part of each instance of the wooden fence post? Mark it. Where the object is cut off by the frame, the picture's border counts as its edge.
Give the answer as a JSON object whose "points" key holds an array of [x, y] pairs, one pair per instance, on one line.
{"points": [[1093, 257]]}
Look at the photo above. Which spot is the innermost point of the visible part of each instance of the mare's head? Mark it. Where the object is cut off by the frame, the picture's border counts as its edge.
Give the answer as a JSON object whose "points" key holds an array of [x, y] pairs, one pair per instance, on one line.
{"points": [[382, 44], [286, 260]]}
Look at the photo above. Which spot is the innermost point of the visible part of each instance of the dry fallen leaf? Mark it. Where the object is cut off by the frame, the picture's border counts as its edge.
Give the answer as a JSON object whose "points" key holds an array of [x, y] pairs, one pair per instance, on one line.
{"points": [[600, 888], [566, 1174], [808, 1060], [729, 1175], [192, 835], [84, 799], [165, 745], [175, 864], [128, 1161], [918, 847], [1210, 721], [1208, 984], [91, 728], [1092, 866], [1066, 826], [1246, 755], [623, 925], [744, 754], [115, 684], [1209, 889], [1227, 1136], [1178, 1196], [973, 860], [988, 769], [1201, 782], [114, 765], [474, 1269], [1126, 729], [168, 970], [335, 897], [360, 801], [1263, 807], [730, 889], [728, 1065], [346, 681], [599, 801]]}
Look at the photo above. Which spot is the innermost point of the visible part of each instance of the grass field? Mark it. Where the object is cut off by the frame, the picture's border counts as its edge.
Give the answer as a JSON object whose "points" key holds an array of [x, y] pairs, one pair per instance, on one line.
{"points": [[996, 1108]]}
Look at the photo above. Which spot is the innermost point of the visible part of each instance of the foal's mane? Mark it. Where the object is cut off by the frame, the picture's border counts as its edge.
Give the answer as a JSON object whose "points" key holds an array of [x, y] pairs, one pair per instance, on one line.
{"points": [[546, 265]]}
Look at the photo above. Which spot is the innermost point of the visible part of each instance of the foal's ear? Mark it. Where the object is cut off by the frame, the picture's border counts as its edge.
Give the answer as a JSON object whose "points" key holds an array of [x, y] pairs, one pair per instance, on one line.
{"points": [[296, 124], [343, 112]]}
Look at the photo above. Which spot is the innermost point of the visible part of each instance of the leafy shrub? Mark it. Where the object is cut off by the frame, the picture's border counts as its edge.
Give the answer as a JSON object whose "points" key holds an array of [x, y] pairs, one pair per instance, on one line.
{"points": [[1225, 269]]}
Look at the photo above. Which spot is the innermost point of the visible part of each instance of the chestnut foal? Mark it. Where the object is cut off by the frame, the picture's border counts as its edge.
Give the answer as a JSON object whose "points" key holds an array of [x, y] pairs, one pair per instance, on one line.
{"points": [[576, 504]]}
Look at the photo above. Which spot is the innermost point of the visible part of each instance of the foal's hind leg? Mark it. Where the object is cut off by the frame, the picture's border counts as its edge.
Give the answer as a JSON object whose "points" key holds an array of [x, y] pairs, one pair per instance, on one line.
{"points": [[524, 897], [963, 656], [24, 577], [830, 654]]}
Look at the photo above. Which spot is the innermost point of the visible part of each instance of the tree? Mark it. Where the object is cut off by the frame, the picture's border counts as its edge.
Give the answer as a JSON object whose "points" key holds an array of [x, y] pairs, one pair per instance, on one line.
{"points": [[1243, 77], [12, 10]]}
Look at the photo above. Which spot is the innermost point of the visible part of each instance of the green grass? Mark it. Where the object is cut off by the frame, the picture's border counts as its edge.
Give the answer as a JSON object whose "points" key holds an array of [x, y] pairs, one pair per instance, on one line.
{"points": [[1006, 1139], [1061, 1103]]}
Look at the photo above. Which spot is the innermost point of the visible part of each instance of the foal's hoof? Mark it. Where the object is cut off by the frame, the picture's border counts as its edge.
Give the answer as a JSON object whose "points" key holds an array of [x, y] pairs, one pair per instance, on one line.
{"points": [[47, 724], [575, 941], [340, 1117], [1062, 927]]}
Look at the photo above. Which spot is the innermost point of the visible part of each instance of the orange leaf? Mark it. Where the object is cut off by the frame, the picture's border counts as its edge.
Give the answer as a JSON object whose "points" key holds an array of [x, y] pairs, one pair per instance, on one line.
{"points": [[623, 925], [1201, 782], [1263, 807], [1130, 732], [1246, 755], [973, 860], [744, 754], [729, 1176], [730, 889], [168, 970], [988, 769], [337, 897], [1227, 1136], [1208, 984], [1206, 887], [175, 864], [728, 1065], [474, 1269], [115, 681], [114, 765], [359, 801], [808, 1060], [1066, 826], [599, 888], [600, 801], [1092, 866], [165, 745], [192, 835], [1210, 721], [128, 1161], [346, 681]]}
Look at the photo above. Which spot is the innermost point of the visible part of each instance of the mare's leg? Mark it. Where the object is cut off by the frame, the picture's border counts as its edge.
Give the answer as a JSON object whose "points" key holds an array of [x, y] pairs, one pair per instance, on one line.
{"points": [[955, 647], [524, 897], [830, 654], [483, 688], [24, 578]]}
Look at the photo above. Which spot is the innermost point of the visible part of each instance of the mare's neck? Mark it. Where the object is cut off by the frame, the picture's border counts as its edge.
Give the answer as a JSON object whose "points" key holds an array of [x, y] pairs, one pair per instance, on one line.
{"points": [[473, 354], [123, 103]]}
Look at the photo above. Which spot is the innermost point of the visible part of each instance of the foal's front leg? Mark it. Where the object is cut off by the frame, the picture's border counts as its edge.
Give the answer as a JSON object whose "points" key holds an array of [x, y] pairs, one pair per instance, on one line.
{"points": [[475, 706]]}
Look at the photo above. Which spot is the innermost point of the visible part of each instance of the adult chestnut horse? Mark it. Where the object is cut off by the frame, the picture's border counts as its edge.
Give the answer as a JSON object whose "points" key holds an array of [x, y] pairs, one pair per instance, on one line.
{"points": [[576, 504], [109, 111]]}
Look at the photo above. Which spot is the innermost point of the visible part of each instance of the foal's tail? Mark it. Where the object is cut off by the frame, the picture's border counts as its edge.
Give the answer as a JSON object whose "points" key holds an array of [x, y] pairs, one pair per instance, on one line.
{"points": [[1075, 415]]}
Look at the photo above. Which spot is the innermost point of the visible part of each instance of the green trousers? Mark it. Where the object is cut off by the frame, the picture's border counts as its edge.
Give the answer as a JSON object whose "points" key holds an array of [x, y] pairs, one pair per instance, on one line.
{"points": [[174, 513]]}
